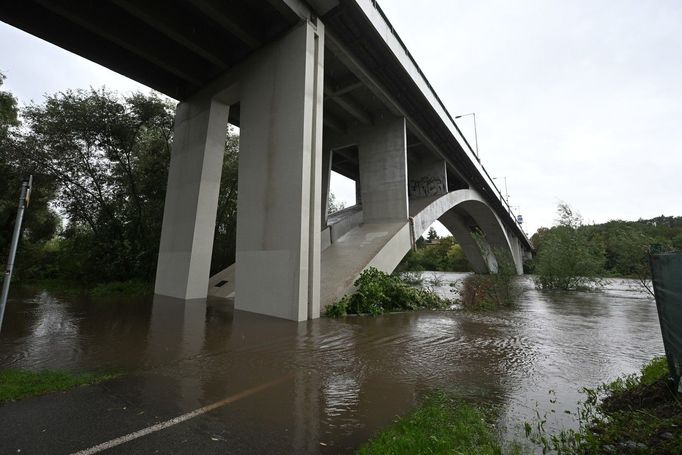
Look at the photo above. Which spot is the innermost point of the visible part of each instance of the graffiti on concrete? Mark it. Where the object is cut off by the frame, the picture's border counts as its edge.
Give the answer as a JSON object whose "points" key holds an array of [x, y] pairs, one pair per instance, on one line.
{"points": [[427, 186]]}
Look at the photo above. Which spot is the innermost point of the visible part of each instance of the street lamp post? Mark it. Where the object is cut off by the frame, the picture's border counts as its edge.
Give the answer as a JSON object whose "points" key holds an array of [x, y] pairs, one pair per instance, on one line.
{"points": [[506, 192], [473, 114]]}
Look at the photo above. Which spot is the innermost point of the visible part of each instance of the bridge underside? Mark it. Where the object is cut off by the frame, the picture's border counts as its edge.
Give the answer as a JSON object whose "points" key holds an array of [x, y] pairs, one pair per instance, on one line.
{"points": [[314, 87]]}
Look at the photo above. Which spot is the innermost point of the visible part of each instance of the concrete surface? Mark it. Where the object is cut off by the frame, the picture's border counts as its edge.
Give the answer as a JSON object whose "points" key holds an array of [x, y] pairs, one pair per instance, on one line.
{"points": [[278, 223], [427, 177], [227, 289], [382, 151], [191, 198]]}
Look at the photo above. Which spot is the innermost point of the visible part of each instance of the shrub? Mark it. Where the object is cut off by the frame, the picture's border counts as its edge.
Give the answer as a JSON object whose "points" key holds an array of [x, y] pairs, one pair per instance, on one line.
{"points": [[489, 292], [378, 292], [414, 278]]}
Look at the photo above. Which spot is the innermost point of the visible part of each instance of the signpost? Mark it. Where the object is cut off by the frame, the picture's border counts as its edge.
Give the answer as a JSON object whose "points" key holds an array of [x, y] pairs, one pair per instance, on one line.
{"points": [[24, 200]]}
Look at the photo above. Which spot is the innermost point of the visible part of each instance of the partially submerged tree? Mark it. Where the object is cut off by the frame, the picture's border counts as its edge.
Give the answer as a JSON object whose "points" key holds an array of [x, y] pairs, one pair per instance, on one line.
{"points": [[567, 258]]}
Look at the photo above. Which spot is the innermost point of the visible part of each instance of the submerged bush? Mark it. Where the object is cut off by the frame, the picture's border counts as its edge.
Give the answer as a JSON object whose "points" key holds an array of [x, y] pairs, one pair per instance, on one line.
{"points": [[378, 292], [489, 292], [415, 278]]}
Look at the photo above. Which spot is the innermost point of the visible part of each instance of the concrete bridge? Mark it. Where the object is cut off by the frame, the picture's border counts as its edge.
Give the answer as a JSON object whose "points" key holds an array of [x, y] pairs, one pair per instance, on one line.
{"points": [[314, 86]]}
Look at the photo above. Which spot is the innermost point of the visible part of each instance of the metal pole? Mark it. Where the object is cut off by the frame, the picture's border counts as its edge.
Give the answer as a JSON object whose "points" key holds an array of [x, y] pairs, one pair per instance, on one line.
{"points": [[478, 157], [23, 203]]}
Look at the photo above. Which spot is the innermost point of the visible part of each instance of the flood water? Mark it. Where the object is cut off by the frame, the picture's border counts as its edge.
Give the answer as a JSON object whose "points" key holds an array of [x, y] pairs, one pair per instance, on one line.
{"points": [[348, 377]]}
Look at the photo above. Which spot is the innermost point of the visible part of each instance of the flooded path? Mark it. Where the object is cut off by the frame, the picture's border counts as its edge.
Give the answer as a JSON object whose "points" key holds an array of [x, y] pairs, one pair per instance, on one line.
{"points": [[348, 377]]}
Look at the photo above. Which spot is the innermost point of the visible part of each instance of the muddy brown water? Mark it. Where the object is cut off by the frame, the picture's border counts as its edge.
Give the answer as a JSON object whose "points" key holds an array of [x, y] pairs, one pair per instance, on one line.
{"points": [[352, 376]]}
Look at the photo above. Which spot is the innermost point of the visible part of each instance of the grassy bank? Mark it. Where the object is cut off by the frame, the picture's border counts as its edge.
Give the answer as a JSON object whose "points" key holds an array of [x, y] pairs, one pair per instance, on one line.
{"points": [[377, 293], [441, 425], [637, 414], [18, 384]]}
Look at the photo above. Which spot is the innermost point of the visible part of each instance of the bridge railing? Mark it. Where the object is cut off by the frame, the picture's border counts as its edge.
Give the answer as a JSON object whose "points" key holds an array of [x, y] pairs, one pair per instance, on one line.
{"points": [[475, 160]]}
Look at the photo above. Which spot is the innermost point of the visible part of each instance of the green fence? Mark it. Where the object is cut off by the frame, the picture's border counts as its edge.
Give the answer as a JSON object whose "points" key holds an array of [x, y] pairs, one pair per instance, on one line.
{"points": [[666, 273]]}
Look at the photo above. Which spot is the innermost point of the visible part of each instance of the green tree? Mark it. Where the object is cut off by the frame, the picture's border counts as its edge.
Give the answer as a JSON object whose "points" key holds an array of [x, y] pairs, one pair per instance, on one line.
{"points": [[567, 259], [334, 204], [40, 221], [108, 157], [432, 235], [444, 256]]}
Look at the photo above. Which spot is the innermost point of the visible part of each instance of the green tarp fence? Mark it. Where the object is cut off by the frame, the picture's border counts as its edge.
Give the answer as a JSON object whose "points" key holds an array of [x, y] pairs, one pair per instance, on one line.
{"points": [[666, 274]]}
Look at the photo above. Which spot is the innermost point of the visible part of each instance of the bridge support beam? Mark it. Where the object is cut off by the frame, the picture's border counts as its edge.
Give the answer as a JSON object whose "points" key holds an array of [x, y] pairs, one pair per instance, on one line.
{"points": [[382, 152], [427, 177], [280, 164], [191, 199]]}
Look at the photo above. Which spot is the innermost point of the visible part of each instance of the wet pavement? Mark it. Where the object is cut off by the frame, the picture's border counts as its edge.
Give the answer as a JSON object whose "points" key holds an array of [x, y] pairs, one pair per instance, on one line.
{"points": [[323, 386]]}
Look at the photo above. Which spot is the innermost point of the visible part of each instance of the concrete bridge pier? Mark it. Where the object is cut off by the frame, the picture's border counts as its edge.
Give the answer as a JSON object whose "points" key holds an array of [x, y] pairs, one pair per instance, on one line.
{"points": [[382, 154], [280, 93], [191, 198], [454, 223]]}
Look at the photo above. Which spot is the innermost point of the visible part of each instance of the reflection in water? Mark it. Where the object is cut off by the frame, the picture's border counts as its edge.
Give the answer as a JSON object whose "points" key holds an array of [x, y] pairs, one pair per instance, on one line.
{"points": [[347, 377]]}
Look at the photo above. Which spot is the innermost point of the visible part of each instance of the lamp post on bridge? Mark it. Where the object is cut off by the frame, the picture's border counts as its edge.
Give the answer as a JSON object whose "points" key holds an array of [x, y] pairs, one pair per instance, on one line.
{"points": [[506, 192], [473, 114]]}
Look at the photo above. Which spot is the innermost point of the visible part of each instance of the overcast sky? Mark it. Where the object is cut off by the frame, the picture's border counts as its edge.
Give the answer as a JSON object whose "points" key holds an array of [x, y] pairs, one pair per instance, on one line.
{"points": [[576, 101]]}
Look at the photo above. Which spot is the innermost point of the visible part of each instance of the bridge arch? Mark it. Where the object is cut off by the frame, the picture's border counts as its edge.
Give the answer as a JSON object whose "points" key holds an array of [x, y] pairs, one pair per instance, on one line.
{"points": [[463, 212], [383, 245]]}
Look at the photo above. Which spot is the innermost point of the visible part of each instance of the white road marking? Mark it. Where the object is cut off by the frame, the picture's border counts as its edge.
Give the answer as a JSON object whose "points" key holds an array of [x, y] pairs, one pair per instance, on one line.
{"points": [[179, 419]]}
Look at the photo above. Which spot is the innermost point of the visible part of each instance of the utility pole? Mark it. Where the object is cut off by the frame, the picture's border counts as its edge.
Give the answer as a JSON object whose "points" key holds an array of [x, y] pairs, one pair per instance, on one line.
{"points": [[24, 200]]}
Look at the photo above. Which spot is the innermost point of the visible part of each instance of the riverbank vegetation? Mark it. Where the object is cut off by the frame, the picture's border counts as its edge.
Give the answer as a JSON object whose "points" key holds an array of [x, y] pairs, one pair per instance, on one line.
{"points": [[378, 292], [100, 165], [18, 384], [493, 291], [636, 414], [441, 425], [441, 254], [574, 255]]}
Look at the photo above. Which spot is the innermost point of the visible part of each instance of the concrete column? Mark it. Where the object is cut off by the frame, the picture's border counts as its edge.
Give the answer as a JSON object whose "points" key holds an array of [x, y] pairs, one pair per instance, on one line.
{"points": [[191, 199], [478, 259], [427, 177], [280, 163], [382, 152]]}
